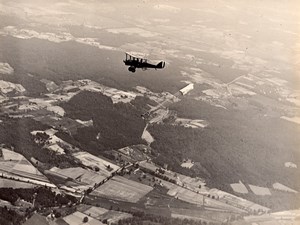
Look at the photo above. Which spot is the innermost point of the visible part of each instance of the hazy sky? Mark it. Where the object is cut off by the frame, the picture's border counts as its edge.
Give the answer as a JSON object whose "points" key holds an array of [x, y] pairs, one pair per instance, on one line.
{"points": [[264, 33]]}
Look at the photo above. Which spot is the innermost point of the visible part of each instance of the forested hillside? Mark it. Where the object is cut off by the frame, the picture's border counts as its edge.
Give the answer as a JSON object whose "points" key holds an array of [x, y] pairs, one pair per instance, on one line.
{"points": [[114, 125], [243, 145]]}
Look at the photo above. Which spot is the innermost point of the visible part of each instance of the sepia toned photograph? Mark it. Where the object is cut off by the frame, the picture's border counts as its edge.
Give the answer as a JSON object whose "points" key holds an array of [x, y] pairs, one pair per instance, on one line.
{"points": [[149, 112]]}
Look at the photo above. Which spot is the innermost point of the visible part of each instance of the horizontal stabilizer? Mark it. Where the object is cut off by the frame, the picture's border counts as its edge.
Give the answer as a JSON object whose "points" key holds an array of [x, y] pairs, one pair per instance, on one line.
{"points": [[161, 65]]}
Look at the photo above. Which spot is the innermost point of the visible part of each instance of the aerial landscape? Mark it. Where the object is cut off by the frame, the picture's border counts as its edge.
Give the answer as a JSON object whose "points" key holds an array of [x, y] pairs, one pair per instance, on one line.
{"points": [[147, 112]]}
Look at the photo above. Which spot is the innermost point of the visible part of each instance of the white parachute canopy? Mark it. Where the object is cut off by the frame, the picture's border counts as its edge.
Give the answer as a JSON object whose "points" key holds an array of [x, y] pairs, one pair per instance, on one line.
{"points": [[186, 89]]}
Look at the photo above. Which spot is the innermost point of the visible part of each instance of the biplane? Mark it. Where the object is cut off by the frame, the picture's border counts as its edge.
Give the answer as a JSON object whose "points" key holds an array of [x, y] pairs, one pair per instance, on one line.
{"points": [[138, 62]]}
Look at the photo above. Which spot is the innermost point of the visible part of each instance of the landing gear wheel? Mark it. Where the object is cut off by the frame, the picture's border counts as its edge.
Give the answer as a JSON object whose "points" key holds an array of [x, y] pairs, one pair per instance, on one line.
{"points": [[131, 69]]}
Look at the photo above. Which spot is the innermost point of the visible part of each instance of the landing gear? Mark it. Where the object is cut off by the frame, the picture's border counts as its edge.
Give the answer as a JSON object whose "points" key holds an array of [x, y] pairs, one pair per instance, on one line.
{"points": [[131, 69]]}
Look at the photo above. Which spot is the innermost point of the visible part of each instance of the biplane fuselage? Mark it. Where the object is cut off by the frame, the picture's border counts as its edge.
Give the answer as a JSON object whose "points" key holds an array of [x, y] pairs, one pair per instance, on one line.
{"points": [[136, 62]]}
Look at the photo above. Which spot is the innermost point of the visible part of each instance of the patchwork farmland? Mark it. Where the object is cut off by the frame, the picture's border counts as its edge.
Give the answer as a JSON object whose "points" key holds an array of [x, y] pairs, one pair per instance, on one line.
{"points": [[89, 160], [122, 189], [15, 165], [102, 214], [6, 183], [84, 177], [78, 217]]}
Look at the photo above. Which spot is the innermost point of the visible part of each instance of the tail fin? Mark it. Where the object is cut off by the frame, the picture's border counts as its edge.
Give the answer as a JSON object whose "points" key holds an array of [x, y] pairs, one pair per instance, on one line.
{"points": [[161, 65]]}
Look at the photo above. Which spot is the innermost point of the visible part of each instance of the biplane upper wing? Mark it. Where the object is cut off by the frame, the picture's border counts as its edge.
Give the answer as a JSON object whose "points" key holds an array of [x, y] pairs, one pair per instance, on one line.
{"points": [[137, 55]]}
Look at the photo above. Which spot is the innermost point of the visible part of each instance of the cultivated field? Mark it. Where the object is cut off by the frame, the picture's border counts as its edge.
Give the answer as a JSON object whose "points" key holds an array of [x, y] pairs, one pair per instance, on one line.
{"points": [[6, 183], [189, 182], [10, 155], [278, 218], [90, 160], [95, 212], [200, 215], [237, 201], [79, 174], [15, 164], [122, 189], [186, 195], [103, 214], [115, 94], [259, 190], [147, 136], [77, 218], [193, 197], [281, 187], [239, 188], [114, 216], [5, 68], [187, 164]]}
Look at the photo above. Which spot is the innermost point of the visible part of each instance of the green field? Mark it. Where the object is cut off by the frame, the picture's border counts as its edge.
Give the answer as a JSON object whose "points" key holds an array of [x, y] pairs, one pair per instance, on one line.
{"points": [[122, 189]]}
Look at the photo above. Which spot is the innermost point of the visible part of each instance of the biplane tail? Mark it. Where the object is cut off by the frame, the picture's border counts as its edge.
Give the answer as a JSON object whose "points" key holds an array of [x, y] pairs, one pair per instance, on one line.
{"points": [[161, 65]]}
